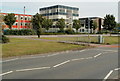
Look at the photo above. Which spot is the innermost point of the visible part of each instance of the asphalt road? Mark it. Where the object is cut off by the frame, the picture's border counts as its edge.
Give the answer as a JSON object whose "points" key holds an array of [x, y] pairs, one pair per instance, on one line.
{"points": [[94, 63]]}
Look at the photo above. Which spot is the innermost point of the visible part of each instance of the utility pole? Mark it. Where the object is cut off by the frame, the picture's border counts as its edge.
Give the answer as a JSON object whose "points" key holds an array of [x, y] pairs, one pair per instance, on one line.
{"points": [[88, 31], [24, 18]]}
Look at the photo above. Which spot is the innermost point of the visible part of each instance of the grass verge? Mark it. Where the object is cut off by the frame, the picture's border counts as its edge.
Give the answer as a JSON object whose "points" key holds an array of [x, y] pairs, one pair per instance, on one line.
{"points": [[22, 46], [93, 39]]}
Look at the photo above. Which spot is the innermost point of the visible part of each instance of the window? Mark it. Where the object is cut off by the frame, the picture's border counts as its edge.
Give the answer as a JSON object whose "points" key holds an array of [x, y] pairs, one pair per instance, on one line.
{"points": [[47, 11], [62, 10], [25, 24], [25, 18], [16, 24], [53, 10], [75, 11], [57, 9], [29, 18], [21, 18], [82, 30], [82, 25]]}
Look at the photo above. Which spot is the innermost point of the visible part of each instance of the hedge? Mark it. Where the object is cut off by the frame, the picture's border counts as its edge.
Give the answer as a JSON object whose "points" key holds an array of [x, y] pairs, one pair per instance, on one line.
{"points": [[19, 32]]}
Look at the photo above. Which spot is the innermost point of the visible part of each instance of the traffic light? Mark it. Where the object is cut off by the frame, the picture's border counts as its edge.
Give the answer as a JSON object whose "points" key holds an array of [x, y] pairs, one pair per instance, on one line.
{"points": [[91, 24], [86, 23]]}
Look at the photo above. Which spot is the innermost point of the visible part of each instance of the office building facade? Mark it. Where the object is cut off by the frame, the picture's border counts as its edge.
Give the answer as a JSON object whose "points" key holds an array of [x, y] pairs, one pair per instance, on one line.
{"points": [[22, 21], [59, 11], [84, 24]]}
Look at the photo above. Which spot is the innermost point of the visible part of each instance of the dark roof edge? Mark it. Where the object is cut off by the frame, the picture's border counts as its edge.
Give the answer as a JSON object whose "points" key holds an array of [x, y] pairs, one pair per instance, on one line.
{"points": [[59, 5]]}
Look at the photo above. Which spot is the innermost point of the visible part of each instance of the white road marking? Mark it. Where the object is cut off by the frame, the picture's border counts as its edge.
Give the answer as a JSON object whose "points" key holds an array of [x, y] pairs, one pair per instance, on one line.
{"points": [[106, 50], [110, 52], [32, 57], [117, 69], [77, 59], [97, 55], [6, 73], [53, 54], [67, 51], [10, 60], [89, 58], [32, 69], [81, 50], [108, 75], [62, 63]]}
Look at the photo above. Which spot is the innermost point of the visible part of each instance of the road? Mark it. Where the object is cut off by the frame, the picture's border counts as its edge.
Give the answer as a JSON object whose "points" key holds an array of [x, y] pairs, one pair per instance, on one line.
{"points": [[94, 63]]}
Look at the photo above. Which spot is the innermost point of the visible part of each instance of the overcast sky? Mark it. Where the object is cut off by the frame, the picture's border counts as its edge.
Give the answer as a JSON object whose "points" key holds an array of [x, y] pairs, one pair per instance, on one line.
{"points": [[92, 8]]}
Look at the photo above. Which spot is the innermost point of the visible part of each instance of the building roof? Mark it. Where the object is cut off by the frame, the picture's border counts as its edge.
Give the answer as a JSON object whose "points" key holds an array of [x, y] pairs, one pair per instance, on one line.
{"points": [[17, 14], [59, 6], [89, 17]]}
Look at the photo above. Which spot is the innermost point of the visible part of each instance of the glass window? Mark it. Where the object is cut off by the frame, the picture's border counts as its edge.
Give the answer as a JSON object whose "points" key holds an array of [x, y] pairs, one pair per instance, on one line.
{"points": [[25, 18], [53, 10], [62, 10], [82, 25], [82, 30], [75, 11], [21, 18], [29, 18], [26, 24]]}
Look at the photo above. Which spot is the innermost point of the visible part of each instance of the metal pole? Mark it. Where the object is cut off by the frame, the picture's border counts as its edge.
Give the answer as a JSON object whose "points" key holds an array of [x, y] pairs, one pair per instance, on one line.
{"points": [[88, 31], [24, 18]]}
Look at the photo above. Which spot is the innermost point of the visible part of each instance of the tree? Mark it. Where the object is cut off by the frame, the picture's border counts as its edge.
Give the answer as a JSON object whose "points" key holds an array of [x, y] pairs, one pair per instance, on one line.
{"points": [[76, 24], [37, 23], [118, 25], [109, 22], [10, 20], [61, 24], [1, 24], [94, 25], [1, 19], [47, 23], [117, 28]]}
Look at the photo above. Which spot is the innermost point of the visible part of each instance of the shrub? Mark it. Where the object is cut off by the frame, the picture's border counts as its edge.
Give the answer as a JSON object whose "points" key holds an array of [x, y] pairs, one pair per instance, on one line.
{"points": [[69, 31], [61, 31], [5, 39]]}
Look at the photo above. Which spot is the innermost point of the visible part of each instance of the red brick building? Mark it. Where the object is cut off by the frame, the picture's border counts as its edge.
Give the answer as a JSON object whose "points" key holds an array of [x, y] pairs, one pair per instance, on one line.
{"points": [[22, 21]]}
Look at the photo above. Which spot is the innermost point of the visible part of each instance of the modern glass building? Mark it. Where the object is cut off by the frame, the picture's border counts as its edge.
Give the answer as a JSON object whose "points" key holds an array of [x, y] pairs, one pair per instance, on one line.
{"points": [[59, 11]]}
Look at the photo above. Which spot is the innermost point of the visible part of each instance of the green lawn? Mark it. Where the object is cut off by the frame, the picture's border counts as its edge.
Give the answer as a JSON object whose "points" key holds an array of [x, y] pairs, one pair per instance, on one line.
{"points": [[107, 39], [22, 46]]}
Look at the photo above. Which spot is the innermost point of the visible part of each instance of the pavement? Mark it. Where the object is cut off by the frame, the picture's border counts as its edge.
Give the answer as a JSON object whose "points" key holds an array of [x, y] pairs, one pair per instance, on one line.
{"points": [[27, 36], [95, 63]]}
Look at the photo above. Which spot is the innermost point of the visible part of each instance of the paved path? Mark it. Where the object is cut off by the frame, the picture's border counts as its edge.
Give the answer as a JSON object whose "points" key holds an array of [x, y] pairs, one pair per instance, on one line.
{"points": [[94, 63], [24, 36]]}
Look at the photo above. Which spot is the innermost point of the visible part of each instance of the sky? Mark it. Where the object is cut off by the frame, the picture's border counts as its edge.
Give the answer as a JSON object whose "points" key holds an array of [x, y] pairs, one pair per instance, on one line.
{"points": [[98, 8]]}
